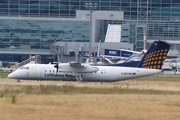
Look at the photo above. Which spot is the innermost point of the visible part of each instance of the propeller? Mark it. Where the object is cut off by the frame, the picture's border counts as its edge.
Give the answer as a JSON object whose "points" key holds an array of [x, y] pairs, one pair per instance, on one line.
{"points": [[57, 67]]}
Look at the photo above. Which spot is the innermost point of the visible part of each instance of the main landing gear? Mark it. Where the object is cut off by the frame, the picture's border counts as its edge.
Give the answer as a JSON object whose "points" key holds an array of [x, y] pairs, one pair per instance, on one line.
{"points": [[79, 78]]}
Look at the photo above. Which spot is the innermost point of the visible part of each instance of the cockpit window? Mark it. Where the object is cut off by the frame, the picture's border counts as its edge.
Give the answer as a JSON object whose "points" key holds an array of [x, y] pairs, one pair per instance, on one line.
{"points": [[24, 68]]}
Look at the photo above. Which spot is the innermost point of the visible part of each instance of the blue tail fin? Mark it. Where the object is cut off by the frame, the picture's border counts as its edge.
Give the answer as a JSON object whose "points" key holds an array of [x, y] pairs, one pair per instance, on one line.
{"points": [[155, 56]]}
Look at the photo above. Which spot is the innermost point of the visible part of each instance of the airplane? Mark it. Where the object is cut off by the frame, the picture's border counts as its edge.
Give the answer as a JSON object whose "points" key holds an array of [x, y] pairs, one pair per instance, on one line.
{"points": [[132, 61], [107, 60], [150, 64], [13, 48]]}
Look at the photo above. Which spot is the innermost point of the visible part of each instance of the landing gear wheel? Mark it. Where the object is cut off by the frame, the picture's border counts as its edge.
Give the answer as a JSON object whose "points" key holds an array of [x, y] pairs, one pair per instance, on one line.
{"points": [[79, 78], [18, 80]]}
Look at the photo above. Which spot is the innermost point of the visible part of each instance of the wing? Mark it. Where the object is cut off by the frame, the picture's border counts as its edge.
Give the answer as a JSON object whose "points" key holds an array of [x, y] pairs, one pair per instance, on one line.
{"points": [[77, 67]]}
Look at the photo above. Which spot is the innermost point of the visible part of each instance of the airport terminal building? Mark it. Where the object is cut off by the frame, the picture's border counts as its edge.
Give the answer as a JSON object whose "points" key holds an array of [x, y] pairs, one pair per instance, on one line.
{"points": [[31, 27]]}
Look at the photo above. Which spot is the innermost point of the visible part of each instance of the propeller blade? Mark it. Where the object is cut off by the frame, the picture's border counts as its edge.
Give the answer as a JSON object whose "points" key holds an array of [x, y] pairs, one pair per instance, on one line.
{"points": [[57, 67]]}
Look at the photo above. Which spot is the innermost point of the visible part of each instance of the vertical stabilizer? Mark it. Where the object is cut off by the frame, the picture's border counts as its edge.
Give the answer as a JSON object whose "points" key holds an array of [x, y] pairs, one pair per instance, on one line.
{"points": [[155, 56]]}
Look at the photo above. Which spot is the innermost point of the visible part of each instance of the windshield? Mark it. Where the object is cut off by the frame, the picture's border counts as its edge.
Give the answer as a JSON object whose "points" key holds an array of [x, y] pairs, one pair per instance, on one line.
{"points": [[24, 67]]}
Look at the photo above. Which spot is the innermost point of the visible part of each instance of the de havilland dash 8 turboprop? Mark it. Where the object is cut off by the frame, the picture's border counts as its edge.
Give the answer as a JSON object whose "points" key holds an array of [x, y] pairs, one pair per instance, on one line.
{"points": [[150, 64]]}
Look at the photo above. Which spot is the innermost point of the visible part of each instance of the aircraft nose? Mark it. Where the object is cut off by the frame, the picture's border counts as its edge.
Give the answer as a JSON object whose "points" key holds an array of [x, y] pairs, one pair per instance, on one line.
{"points": [[12, 75]]}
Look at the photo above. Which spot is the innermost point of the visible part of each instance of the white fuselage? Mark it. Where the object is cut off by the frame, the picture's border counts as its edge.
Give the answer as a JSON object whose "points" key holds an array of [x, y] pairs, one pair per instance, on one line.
{"points": [[104, 73]]}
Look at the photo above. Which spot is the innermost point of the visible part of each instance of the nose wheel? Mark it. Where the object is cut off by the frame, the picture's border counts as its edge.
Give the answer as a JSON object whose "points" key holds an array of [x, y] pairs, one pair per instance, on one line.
{"points": [[18, 80]]}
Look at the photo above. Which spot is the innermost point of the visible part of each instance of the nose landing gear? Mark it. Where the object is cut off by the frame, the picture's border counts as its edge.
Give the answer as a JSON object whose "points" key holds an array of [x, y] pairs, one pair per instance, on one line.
{"points": [[18, 80]]}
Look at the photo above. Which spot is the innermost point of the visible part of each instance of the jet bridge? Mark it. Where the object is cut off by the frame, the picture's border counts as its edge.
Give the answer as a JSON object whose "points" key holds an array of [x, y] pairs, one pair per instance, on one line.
{"points": [[113, 33]]}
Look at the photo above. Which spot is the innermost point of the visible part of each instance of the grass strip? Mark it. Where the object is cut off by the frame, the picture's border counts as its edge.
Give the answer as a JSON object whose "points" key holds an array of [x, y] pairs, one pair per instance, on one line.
{"points": [[10, 90]]}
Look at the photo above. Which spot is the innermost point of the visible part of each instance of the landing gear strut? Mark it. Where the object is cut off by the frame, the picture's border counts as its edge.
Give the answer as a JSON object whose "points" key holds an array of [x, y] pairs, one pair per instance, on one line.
{"points": [[79, 78], [18, 80]]}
